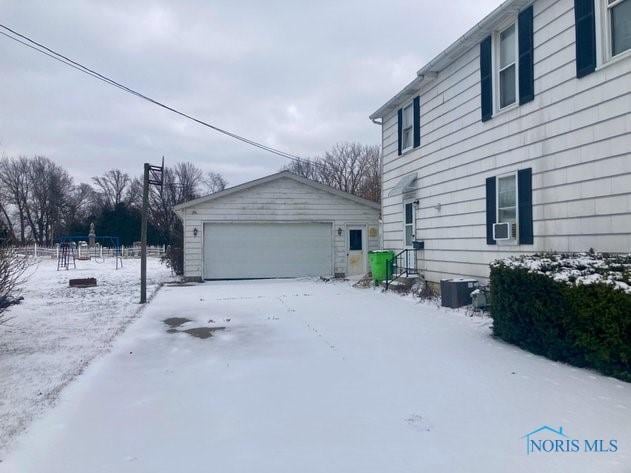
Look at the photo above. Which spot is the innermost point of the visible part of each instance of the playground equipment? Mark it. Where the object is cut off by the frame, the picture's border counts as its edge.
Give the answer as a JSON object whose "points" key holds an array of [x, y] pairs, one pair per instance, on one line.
{"points": [[100, 247], [66, 256]]}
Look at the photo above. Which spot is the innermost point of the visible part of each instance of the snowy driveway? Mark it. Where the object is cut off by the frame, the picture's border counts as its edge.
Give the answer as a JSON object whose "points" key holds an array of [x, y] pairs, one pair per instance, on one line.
{"points": [[316, 377]]}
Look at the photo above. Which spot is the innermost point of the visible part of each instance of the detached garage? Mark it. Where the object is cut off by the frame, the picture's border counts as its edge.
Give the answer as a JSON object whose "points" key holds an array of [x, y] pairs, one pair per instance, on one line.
{"points": [[279, 226]]}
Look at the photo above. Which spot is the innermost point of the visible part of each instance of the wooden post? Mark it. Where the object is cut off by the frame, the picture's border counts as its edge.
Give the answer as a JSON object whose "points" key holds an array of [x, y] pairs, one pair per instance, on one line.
{"points": [[143, 236]]}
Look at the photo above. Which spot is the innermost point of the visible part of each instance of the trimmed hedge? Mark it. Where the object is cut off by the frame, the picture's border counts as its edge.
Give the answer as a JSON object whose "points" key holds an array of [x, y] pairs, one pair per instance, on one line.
{"points": [[586, 325]]}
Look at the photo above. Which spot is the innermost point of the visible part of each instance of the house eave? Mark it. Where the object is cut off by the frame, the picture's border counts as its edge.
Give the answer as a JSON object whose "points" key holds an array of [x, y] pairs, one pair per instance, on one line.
{"points": [[472, 37], [406, 94]]}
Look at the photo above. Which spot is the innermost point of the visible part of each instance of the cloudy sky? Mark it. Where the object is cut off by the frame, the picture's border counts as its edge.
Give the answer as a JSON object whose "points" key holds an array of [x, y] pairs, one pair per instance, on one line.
{"points": [[295, 75]]}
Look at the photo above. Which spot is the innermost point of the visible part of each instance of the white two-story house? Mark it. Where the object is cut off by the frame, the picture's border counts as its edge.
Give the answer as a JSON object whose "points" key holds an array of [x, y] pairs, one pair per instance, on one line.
{"points": [[515, 139]]}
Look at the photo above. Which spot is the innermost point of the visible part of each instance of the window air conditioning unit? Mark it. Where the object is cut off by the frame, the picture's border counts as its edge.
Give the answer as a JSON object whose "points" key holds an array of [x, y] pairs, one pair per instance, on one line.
{"points": [[504, 231]]}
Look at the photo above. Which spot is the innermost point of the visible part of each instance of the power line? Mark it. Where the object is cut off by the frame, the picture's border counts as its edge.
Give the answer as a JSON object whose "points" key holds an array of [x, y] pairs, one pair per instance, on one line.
{"points": [[32, 44]]}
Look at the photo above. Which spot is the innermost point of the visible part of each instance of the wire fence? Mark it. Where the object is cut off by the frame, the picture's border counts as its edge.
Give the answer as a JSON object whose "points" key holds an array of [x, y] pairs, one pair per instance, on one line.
{"points": [[39, 251]]}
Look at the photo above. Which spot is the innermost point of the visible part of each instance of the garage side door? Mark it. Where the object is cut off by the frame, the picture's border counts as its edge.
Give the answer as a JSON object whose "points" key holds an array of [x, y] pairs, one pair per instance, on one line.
{"points": [[267, 250]]}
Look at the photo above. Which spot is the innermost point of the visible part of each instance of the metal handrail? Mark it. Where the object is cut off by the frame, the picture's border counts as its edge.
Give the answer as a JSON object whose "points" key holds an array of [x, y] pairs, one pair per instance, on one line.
{"points": [[395, 267]]}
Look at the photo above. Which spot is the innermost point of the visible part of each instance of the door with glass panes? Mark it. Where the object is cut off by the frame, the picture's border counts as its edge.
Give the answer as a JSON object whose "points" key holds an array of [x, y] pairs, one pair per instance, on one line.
{"points": [[409, 232], [356, 251]]}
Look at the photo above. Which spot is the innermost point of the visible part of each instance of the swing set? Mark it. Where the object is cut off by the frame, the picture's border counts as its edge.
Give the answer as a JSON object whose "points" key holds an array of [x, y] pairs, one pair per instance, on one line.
{"points": [[71, 249]]}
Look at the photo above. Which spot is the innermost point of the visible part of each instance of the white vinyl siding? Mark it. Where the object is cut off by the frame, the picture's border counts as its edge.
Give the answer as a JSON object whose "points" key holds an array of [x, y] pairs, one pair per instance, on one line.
{"points": [[575, 136], [283, 201]]}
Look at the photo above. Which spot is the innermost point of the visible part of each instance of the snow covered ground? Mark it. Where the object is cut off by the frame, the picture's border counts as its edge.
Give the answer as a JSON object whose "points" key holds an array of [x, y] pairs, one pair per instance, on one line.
{"points": [[308, 377], [56, 331]]}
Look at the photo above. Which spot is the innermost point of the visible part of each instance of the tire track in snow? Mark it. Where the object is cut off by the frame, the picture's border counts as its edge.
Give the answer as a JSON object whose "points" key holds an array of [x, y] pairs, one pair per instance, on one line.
{"points": [[309, 326]]}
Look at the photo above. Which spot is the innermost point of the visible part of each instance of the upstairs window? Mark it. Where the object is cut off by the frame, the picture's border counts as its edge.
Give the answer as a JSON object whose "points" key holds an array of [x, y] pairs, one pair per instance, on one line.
{"points": [[409, 126], [619, 25], [603, 33], [507, 66], [407, 132]]}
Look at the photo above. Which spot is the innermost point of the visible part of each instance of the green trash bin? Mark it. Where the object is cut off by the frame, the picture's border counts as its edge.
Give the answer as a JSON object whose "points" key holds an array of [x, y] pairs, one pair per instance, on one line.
{"points": [[379, 262]]}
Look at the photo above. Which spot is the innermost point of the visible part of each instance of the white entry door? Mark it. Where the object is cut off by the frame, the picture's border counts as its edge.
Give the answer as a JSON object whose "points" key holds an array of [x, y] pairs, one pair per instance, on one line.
{"points": [[356, 251], [267, 250]]}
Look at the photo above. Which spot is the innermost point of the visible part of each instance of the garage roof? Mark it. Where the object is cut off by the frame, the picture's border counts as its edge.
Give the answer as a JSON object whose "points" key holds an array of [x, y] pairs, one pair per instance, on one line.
{"points": [[270, 178]]}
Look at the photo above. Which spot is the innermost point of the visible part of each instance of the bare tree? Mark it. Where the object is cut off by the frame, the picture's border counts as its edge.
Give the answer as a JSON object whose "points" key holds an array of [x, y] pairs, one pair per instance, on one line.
{"points": [[83, 202], [349, 167], [16, 189], [50, 187], [39, 201], [214, 182], [181, 183], [134, 193], [6, 223], [112, 187], [305, 168], [344, 166], [370, 185], [188, 180]]}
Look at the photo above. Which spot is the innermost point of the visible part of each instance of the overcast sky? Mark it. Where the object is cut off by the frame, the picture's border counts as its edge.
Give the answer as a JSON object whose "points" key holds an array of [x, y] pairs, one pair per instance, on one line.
{"points": [[295, 75]]}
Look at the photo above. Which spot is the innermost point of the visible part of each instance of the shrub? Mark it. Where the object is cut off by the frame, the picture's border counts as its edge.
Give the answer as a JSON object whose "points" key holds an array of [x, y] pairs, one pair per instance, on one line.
{"points": [[428, 293], [174, 255], [13, 267], [571, 308], [174, 259]]}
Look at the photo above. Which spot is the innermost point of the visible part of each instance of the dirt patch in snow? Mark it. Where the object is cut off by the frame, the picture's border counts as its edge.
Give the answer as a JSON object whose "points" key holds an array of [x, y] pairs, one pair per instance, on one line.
{"points": [[365, 282], [418, 423]]}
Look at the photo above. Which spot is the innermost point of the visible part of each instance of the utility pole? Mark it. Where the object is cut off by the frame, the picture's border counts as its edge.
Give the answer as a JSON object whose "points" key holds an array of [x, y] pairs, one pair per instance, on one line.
{"points": [[143, 236], [153, 175]]}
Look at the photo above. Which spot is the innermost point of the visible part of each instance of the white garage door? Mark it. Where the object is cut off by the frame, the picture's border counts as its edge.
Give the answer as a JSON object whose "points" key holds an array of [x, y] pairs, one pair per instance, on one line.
{"points": [[267, 250]]}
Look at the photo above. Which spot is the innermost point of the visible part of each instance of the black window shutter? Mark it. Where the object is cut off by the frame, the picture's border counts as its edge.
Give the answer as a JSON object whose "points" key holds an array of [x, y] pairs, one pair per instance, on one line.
{"points": [[526, 56], [491, 210], [417, 122], [486, 79], [524, 198], [400, 125], [585, 18]]}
